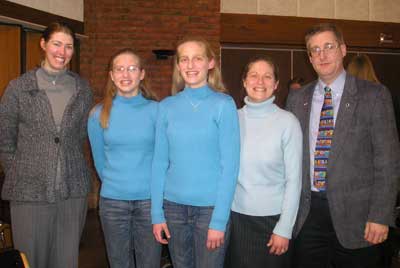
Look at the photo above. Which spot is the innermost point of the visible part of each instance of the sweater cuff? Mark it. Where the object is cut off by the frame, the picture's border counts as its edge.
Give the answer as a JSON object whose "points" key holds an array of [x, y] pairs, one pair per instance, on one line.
{"points": [[283, 231], [157, 218], [218, 225]]}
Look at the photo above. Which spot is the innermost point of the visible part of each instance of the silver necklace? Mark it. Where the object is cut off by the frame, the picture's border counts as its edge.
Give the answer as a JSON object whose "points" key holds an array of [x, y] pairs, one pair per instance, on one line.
{"points": [[194, 106], [54, 81]]}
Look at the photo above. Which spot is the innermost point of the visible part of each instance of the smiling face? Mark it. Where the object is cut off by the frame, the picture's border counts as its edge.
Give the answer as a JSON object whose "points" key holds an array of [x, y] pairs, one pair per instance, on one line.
{"points": [[126, 74], [58, 51], [193, 64], [329, 63], [260, 82]]}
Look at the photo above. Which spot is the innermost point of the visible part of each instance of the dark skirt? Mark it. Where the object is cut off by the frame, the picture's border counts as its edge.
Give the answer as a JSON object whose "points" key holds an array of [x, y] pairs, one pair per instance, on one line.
{"points": [[248, 243]]}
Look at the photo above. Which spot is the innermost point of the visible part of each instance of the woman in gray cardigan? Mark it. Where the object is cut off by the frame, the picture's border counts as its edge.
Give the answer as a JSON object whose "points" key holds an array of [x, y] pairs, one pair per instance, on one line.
{"points": [[43, 116]]}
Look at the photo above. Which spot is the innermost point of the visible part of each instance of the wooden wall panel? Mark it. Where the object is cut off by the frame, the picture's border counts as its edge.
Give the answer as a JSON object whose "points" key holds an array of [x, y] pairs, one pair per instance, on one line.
{"points": [[75, 65], [10, 56], [302, 66], [34, 53], [281, 30], [10, 68]]}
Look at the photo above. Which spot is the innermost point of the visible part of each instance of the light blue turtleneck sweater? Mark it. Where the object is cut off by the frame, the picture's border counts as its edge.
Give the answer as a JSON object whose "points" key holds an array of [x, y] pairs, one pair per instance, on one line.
{"points": [[123, 152], [270, 164], [196, 158]]}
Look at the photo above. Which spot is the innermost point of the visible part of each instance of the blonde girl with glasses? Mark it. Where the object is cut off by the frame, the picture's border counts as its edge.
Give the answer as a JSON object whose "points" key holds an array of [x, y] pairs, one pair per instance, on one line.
{"points": [[121, 132]]}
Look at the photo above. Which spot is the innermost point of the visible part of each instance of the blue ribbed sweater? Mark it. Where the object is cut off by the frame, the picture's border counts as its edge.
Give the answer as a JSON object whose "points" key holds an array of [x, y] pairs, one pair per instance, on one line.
{"points": [[123, 152], [196, 158]]}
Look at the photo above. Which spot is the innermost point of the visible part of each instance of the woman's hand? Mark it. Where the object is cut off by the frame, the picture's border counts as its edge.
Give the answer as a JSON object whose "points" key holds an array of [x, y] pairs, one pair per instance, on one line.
{"points": [[215, 239], [278, 244], [161, 232]]}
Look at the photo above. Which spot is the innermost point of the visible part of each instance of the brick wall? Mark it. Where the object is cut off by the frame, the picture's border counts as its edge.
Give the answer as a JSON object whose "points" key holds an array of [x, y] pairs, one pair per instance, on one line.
{"points": [[144, 25]]}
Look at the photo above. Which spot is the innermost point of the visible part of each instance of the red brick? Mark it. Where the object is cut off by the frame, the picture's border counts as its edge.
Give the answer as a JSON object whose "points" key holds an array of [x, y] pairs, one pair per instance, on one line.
{"points": [[143, 25]]}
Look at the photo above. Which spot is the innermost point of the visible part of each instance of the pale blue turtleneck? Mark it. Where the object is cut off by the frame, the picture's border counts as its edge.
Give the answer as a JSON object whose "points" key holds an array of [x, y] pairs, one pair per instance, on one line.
{"points": [[270, 164]]}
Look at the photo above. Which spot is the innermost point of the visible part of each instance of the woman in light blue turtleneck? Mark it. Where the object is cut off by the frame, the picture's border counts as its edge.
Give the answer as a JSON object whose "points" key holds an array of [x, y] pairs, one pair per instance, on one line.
{"points": [[268, 190], [121, 132]]}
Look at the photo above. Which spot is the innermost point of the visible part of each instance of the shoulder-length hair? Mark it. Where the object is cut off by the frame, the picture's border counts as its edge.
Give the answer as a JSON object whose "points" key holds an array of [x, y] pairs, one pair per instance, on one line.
{"points": [[361, 66]]}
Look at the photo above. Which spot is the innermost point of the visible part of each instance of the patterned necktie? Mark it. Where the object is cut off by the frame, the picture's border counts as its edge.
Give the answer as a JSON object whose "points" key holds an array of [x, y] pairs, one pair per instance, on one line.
{"points": [[324, 142]]}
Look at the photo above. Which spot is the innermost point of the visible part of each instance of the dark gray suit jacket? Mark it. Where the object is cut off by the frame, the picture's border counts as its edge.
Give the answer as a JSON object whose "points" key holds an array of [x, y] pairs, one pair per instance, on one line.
{"points": [[363, 166]]}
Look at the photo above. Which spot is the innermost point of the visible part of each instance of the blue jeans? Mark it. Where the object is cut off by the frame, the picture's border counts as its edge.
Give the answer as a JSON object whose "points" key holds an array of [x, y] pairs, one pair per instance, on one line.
{"points": [[128, 234], [188, 226]]}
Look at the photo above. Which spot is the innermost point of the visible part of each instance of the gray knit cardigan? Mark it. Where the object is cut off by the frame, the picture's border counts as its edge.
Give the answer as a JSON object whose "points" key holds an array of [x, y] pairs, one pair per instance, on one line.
{"points": [[30, 145]]}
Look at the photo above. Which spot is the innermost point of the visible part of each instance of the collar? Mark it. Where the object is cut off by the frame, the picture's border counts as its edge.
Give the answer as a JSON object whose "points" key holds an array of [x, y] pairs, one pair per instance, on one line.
{"points": [[336, 86], [51, 77], [259, 108], [197, 93], [135, 100]]}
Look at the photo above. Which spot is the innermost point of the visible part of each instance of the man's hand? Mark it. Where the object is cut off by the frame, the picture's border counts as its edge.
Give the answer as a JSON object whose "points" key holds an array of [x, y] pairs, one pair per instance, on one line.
{"points": [[278, 244], [215, 239], [159, 230], [375, 233]]}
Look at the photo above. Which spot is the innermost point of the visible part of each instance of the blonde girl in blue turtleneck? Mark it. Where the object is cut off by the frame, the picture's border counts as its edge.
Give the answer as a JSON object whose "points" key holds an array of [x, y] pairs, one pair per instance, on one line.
{"points": [[268, 190], [121, 132], [196, 160]]}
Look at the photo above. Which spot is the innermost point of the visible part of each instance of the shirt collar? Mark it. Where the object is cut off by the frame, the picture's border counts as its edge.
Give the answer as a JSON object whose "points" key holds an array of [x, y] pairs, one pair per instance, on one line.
{"points": [[336, 86]]}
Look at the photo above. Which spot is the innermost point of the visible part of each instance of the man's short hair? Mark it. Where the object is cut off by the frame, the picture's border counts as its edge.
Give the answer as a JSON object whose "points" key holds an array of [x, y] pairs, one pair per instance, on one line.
{"points": [[324, 27]]}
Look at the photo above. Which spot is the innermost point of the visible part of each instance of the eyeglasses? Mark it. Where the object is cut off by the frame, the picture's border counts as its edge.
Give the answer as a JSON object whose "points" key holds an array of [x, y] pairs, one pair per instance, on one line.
{"points": [[328, 49], [121, 69]]}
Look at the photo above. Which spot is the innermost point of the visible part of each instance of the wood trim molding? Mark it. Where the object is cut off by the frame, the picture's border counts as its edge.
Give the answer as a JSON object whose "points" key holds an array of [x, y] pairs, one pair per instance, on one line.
{"points": [[35, 16], [284, 30]]}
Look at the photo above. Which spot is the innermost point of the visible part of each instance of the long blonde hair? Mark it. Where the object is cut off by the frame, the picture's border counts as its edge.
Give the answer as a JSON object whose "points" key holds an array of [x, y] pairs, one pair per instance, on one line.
{"points": [[111, 90], [214, 75], [361, 66]]}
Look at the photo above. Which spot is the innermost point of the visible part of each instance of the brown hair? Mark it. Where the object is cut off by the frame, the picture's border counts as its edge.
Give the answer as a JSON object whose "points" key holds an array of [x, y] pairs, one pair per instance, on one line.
{"points": [[56, 27], [111, 90], [266, 59], [296, 80], [361, 66], [214, 75], [324, 27]]}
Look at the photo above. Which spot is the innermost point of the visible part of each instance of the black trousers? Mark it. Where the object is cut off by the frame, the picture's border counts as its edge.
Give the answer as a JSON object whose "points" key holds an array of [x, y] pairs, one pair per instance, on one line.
{"points": [[248, 243], [317, 244]]}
